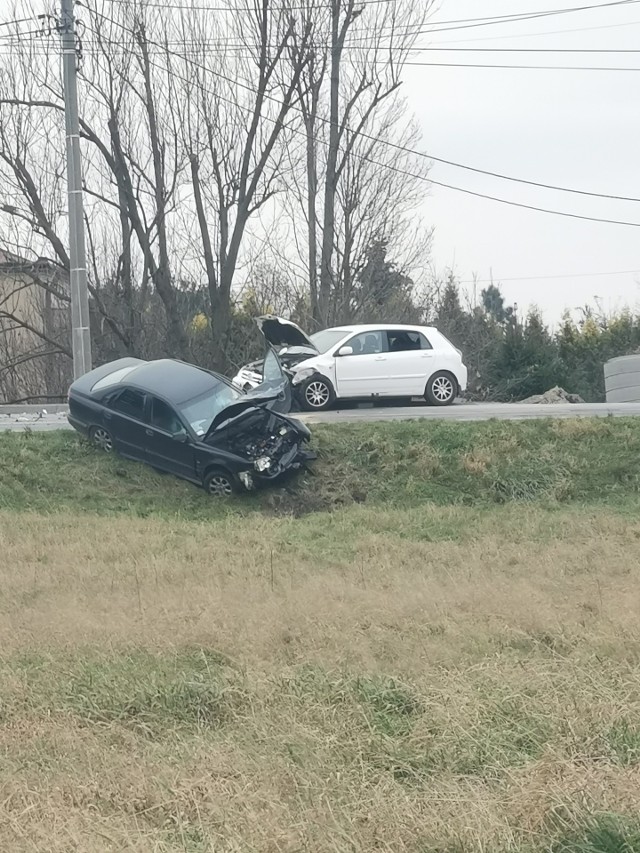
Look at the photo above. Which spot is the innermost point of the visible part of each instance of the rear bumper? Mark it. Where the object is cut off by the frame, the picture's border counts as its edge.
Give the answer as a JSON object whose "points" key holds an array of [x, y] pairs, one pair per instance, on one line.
{"points": [[80, 427], [463, 377]]}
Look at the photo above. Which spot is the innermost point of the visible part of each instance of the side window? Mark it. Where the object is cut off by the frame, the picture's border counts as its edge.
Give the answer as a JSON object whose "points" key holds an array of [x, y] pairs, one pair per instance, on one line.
{"points": [[130, 402], [271, 370], [406, 341], [163, 417], [366, 343]]}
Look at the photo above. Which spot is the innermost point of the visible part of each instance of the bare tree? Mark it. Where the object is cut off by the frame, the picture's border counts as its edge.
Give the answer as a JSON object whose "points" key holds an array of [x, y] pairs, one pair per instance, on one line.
{"points": [[183, 145], [238, 103], [193, 127], [368, 46]]}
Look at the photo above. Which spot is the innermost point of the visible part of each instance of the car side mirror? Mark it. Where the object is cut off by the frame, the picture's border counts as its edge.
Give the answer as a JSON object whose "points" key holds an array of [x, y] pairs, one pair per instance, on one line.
{"points": [[345, 351], [180, 437]]}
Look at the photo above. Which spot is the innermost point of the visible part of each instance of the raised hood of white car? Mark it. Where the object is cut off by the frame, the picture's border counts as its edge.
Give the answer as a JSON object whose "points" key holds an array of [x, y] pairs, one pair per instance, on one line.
{"points": [[283, 333]]}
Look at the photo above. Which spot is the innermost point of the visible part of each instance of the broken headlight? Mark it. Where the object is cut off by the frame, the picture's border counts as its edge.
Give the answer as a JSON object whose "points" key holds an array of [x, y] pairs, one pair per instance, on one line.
{"points": [[303, 374], [263, 463]]}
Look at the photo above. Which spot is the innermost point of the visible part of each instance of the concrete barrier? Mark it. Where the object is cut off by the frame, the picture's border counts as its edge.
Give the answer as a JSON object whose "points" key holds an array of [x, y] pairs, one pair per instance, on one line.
{"points": [[622, 379]]}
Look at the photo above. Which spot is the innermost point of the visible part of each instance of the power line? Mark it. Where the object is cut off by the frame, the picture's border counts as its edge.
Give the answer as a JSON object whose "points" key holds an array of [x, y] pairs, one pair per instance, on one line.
{"points": [[550, 277], [545, 33], [174, 7], [525, 50], [519, 67], [431, 157], [408, 30], [234, 44], [14, 39], [16, 21], [454, 164], [405, 172], [532, 16], [479, 21], [527, 15]]}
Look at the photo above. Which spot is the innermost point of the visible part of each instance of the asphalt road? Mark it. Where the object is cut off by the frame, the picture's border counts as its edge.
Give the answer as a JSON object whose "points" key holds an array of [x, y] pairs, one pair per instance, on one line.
{"points": [[477, 412], [36, 420]]}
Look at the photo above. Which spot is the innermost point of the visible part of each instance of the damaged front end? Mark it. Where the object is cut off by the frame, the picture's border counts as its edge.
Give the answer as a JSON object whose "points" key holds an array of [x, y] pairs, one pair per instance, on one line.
{"points": [[271, 445]]}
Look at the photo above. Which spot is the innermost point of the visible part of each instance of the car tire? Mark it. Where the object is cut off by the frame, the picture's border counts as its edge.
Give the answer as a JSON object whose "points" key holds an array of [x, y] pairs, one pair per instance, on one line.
{"points": [[219, 483], [442, 389], [317, 394], [101, 438]]}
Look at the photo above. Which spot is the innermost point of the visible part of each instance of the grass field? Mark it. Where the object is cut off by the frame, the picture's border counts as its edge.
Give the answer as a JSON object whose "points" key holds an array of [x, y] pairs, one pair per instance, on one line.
{"points": [[432, 645]]}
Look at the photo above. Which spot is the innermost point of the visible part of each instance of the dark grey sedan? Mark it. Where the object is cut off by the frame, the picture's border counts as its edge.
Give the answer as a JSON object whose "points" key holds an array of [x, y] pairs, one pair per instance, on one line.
{"points": [[191, 422]]}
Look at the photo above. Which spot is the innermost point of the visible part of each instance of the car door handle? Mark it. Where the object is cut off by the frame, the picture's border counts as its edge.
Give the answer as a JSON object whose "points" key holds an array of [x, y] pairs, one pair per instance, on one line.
{"points": [[427, 355], [380, 358], [149, 432]]}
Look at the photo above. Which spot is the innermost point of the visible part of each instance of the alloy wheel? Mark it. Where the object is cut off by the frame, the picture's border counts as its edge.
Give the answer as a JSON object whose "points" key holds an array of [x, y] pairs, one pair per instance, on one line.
{"points": [[317, 394], [442, 389], [220, 486], [102, 439]]}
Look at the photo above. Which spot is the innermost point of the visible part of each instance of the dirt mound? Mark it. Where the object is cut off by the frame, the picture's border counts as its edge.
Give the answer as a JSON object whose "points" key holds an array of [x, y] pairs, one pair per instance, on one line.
{"points": [[554, 395]]}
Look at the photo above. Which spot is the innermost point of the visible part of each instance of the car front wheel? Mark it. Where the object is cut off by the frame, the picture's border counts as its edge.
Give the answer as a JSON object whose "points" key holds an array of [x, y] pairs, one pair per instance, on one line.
{"points": [[317, 394], [219, 483], [441, 389]]}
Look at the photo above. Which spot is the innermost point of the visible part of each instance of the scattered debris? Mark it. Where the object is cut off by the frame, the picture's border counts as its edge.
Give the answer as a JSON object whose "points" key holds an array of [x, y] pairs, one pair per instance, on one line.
{"points": [[41, 419], [554, 395]]}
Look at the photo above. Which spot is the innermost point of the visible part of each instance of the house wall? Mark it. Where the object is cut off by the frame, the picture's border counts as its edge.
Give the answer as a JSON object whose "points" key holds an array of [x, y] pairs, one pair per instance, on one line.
{"points": [[32, 320]]}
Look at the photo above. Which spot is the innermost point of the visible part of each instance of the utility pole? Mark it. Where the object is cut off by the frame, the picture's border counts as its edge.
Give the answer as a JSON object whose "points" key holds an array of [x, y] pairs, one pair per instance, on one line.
{"points": [[81, 335]]}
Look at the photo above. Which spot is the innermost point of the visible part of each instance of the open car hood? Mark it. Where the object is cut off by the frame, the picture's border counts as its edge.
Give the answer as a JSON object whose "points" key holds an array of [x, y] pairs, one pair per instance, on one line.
{"points": [[283, 333], [234, 409], [273, 393]]}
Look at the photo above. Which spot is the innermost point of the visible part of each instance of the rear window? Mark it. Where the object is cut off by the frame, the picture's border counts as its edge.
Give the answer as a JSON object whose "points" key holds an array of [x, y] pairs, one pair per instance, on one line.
{"points": [[112, 378], [405, 341]]}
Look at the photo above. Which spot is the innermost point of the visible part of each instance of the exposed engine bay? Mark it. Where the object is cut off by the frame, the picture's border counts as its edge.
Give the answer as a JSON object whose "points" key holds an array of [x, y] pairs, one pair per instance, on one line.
{"points": [[288, 357], [270, 442]]}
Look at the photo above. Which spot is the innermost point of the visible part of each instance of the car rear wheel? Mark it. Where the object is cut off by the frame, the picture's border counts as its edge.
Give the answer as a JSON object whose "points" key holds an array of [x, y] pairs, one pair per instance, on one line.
{"points": [[101, 438], [219, 483], [317, 394], [441, 389]]}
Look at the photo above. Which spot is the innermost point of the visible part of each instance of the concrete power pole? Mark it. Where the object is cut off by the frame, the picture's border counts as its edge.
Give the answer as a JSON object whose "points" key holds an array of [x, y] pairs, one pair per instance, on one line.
{"points": [[81, 335]]}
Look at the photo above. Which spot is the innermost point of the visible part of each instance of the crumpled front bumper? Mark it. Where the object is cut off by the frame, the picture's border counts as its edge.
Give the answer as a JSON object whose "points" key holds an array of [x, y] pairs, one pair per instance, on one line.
{"points": [[293, 460], [245, 379]]}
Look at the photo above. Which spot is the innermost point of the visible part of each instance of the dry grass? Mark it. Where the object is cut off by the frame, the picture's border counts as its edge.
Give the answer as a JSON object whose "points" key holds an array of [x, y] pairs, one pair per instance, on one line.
{"points": [[438, 680]]}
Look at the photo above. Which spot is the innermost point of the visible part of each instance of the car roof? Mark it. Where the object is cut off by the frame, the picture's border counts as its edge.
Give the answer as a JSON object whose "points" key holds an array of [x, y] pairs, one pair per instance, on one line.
{"points": [[378, 327], [175, 381]]}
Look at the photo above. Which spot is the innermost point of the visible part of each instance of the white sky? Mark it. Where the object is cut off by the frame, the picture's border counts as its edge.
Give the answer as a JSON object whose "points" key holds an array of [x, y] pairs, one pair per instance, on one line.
{"points": [[578, 129]]}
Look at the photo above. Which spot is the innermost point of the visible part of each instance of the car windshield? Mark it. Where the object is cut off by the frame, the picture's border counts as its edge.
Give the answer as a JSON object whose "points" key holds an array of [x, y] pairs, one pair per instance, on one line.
{"points": [[200, 411], [323, 341]]}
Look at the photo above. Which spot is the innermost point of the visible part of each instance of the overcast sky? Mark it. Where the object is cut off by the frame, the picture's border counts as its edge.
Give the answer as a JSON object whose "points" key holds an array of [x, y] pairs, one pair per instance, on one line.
{"points": [[577, 129]]}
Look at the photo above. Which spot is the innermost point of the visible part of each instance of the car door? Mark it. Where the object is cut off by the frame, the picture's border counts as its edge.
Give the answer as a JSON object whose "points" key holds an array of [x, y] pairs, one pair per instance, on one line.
{"points": [[274, 383], [169, 446], [361, 366], [410, 358], [124, 418]]}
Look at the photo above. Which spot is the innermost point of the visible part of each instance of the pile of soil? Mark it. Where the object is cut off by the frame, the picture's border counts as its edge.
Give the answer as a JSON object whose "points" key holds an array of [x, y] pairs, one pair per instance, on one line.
{"points": [[554, 395]]}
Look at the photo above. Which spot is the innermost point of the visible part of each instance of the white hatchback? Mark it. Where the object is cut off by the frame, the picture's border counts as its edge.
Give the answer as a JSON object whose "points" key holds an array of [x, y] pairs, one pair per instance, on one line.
{"points": [[363, 363]]}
